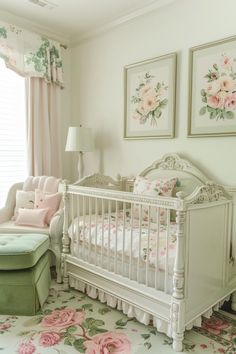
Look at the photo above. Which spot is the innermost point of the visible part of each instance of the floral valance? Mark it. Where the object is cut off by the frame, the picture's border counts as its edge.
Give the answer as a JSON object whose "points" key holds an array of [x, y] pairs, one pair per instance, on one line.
{"points": [[30, 54]]}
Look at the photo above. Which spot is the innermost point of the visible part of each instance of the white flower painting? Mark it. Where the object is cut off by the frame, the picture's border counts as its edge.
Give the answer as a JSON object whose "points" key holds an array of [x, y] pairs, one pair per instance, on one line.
{"points": [[150, 98]]}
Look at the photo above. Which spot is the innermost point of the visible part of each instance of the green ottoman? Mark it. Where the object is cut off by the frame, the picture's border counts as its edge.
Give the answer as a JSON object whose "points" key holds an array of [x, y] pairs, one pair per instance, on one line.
{"points": [[24, 273]]}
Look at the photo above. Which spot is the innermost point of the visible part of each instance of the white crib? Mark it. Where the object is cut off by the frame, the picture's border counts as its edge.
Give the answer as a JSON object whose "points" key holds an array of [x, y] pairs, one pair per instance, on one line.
{"points": [[169, 272]]}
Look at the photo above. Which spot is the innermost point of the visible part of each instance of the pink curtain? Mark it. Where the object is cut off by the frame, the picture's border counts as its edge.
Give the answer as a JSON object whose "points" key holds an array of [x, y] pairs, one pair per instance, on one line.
{"points": [[43, 128]]}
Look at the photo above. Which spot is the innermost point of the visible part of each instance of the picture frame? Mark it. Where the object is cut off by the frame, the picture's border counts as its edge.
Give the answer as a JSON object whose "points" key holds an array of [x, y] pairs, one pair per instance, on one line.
{"points": [[212, 89], [149, 98]]}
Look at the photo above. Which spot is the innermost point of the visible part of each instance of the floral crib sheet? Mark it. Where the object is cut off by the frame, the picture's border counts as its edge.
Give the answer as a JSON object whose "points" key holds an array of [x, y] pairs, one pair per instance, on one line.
{"points": [[97, 232]]}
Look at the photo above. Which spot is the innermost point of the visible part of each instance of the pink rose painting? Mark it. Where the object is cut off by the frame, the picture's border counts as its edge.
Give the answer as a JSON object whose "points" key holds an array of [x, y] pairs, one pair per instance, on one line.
{"points": [[219, 94], [149, 100]]}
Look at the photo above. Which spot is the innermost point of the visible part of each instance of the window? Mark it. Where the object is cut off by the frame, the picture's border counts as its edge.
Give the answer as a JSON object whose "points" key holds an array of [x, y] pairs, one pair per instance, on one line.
{"points": [[13, 162]]}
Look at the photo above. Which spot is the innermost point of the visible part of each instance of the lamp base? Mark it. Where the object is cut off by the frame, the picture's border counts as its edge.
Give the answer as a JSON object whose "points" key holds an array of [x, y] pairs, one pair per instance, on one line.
{"points": [[80, 166]]}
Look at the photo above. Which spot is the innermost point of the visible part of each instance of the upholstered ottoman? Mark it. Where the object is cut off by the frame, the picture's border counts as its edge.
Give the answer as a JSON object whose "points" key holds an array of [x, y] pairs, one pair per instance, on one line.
{"points": [[24, 273]]}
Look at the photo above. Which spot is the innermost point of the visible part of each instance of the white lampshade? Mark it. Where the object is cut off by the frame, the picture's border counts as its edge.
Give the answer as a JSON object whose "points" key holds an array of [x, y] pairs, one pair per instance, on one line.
{"points": [[79, 139]]}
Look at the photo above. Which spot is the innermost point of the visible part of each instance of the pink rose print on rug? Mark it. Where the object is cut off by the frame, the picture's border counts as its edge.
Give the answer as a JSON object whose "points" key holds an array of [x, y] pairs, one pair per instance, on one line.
{"points": [[67, 326], [48, 339], [109, 342], [26, 348], [215, 325], [63, 318]]}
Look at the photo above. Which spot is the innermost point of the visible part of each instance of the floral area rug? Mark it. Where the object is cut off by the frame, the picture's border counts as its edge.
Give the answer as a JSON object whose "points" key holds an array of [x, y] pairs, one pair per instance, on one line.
{"points": [[70, 322]]}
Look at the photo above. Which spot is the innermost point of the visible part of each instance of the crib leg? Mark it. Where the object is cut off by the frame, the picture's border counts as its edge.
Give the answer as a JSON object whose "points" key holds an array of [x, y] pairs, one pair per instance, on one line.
{"points": [[233, 301], [58, 271], [178, 341], [64, 273]]}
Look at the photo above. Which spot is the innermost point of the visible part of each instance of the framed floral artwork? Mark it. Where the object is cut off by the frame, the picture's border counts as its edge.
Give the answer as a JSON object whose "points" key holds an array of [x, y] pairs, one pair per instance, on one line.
{"points": [[150, 98], [212, 108]]}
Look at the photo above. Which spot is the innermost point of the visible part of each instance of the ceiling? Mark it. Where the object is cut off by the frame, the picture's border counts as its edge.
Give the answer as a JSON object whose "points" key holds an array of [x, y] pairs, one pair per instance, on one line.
{"points": [[78, 18]]}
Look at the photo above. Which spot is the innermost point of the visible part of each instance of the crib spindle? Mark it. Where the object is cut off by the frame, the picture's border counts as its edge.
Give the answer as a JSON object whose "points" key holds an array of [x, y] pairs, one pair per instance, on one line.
{"points": [[139, 242], [90, 228], [148, 248], [71, 216], [83, 231], [123, 236], [109, 234], [78, 225], [131, 241], [157, 248], [167, 250], [65, 238], [102, 246], [96, 229], [116, 235]]}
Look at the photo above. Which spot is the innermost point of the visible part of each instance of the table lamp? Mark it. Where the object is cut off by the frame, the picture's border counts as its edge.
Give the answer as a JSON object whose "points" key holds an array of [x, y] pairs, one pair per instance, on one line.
{"points": [[79, 139]]}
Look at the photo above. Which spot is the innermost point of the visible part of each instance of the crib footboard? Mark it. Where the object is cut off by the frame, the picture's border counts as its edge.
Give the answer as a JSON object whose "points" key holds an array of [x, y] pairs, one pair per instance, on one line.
{"points": [[123, 244], [149, 256]]}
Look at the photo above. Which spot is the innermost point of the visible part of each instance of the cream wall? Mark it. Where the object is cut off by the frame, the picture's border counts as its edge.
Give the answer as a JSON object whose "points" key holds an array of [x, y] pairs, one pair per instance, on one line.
{"points": [[97, 87]]}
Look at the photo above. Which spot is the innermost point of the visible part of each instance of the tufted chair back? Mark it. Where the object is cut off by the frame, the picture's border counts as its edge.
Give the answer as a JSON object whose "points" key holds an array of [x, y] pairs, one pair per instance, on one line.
{"points": [[47, 184]]}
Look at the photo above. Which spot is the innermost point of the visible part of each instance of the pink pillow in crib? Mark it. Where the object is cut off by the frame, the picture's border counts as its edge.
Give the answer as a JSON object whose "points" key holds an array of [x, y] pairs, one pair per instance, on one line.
{"points": [[47, 200], [158, 187], [32, 217]]}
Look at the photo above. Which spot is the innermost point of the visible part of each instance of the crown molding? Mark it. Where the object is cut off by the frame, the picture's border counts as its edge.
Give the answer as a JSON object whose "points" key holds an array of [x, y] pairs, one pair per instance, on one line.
{"points": [[79, 38], [30, 26], [73, 40]]}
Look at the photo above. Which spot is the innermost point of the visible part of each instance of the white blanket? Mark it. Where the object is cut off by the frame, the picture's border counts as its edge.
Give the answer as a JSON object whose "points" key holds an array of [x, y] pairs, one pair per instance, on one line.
{"points": [[96, 232]]}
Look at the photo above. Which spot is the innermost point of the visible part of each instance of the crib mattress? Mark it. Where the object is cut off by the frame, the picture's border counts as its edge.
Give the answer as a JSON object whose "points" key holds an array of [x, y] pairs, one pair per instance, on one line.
{"points": [[126, 235]]}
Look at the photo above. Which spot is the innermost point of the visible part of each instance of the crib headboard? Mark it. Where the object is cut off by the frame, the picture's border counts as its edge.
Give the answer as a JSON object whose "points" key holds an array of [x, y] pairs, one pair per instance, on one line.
{"points": [[98, 180], [171, 165]]}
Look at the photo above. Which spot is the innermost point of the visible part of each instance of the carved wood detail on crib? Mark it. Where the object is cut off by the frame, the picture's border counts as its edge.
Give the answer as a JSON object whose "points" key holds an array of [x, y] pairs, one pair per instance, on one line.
{"points": [[210, 192], [175, 163], [174, 316], [98, 179]]}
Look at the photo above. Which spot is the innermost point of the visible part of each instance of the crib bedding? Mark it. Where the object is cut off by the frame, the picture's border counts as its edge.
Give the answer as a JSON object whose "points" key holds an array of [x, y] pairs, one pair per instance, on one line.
{"points": [[125, 231]]}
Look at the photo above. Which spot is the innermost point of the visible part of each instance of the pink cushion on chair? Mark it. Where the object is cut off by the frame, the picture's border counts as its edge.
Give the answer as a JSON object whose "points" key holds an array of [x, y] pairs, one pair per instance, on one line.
{"points": [[32, 217], [49, 201]]}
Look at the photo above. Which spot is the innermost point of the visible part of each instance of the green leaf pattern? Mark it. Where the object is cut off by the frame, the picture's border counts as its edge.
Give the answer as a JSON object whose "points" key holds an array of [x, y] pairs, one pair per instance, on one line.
{"points": [[30, 54]]}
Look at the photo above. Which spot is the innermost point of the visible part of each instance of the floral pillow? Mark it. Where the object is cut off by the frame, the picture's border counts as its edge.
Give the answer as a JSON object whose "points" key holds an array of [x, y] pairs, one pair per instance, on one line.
{"points": [[51, 201], [158, 187], [23, 200]]}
